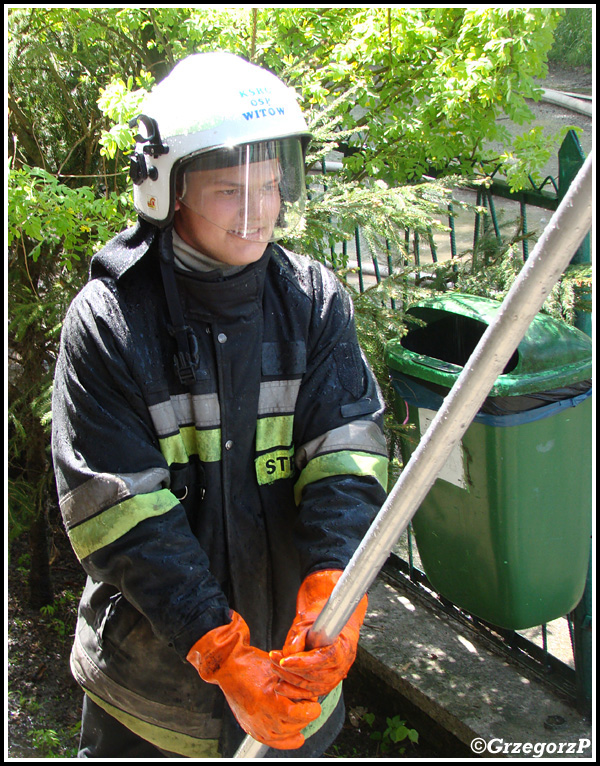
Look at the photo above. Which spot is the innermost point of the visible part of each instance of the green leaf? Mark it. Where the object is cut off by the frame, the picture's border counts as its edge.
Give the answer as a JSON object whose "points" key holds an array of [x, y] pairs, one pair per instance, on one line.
{"points": [[398, 734]]}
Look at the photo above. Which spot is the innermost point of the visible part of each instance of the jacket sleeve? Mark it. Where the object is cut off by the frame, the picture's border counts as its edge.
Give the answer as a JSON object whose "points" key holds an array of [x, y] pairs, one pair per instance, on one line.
{"points": [[125, 525], [341, 452]]}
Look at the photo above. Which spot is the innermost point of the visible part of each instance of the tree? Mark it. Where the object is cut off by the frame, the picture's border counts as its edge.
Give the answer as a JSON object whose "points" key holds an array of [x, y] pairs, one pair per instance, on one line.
{"points": [[430, 80], [52, 233], [55, 63], [433, 81]]}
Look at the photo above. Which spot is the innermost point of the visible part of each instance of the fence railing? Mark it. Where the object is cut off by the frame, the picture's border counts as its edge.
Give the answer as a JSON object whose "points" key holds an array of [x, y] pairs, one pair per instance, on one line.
{"points": [[571, 675]]}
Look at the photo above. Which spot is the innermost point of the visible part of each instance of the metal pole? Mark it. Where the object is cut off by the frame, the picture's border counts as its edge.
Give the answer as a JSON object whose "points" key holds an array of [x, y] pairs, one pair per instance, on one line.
{"points": [[561, 238]]}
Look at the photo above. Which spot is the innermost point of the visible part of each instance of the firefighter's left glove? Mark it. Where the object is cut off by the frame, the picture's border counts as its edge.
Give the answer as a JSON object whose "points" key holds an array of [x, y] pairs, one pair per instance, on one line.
{"points": [[273, 716], [316, 671]]}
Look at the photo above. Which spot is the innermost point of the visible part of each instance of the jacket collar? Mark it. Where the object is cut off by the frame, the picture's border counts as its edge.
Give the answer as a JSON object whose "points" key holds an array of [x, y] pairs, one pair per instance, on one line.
{"points": [[238, 296]]}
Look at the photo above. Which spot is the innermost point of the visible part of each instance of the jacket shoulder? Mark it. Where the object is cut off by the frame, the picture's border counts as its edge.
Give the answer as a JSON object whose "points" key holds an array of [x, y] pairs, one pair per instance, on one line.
{"points": [[310, 277], [123, 251], [123, 291]]}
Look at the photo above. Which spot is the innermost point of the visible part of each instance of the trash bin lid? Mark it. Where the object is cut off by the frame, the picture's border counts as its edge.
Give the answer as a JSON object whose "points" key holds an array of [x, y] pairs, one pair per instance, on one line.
{"points": [[551, 354]]}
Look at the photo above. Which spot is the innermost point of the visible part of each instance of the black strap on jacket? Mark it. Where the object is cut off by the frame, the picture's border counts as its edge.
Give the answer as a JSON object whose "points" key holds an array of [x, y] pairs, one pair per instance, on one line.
{"points": [[186, 359]]}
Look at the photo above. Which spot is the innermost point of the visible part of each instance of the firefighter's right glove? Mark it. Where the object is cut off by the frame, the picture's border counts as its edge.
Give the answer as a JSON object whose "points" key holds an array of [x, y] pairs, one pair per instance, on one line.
{"points": [[246, 677]]}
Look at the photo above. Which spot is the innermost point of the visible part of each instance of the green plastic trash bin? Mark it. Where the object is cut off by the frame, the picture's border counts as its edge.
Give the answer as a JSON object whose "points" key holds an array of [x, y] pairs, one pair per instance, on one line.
{"points": [[505, 530]]}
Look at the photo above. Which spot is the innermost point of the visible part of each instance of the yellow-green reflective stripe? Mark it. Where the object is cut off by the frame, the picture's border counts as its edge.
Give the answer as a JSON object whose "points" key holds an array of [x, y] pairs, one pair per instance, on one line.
{"points": [[183, 744], [191, 441], [277, 464], [116, 521], [166, 739], [274, 431], [327, 707], [339, 464], [104, 490]]}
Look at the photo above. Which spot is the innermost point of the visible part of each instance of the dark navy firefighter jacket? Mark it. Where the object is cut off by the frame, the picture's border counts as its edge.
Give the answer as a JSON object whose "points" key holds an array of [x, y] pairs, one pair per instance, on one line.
{"points": [[183, 503]]}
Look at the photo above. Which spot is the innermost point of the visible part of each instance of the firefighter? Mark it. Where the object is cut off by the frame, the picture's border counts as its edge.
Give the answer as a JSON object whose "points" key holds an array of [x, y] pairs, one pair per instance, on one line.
{"points": [[216, 438]]}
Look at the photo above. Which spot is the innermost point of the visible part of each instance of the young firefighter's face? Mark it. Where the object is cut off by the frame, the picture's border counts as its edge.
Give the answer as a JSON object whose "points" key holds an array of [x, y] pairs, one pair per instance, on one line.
{"points": [[229, 214]]}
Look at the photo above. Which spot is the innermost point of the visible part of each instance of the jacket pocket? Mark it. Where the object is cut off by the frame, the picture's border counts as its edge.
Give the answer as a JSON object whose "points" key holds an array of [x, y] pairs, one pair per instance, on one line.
{"points": [[117, 621], [283, 359]]}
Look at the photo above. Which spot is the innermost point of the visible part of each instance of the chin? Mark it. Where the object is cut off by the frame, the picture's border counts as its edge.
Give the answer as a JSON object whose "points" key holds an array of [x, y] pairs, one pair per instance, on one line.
{"points": [[245, 251]]}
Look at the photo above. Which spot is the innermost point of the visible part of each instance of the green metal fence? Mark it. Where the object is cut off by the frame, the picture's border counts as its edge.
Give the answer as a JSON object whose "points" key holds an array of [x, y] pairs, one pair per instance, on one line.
{"points": [[404, 565]]}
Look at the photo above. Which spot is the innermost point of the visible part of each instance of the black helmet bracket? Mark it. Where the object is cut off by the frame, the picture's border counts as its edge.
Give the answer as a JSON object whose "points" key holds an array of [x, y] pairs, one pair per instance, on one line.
{"points": [[153, 146]]}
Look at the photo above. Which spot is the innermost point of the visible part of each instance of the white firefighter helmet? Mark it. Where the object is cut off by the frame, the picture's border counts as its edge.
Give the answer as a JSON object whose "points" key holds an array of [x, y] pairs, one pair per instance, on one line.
{"points": [[215, 110]]}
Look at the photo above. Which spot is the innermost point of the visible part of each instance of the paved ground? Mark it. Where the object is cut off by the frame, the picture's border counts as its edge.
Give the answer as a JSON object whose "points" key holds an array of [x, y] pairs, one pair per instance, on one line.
{"points": [[449, 674]]}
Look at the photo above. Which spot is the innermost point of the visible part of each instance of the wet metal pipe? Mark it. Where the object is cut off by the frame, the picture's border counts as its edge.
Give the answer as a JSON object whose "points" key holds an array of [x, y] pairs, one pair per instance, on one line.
{"points": [[552, 254]]}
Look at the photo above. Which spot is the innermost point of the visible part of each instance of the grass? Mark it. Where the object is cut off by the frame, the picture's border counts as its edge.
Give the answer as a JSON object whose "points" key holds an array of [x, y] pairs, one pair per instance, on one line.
{"points": [[573, 39]]}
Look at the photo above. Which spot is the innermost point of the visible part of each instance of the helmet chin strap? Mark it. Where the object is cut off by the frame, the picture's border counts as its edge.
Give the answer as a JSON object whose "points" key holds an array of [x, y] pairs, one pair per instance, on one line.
{"points": [[187, 358]]}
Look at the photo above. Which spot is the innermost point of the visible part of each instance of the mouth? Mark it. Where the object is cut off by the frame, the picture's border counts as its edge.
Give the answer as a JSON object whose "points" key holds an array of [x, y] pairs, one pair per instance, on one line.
{"points": [[255, 235]]}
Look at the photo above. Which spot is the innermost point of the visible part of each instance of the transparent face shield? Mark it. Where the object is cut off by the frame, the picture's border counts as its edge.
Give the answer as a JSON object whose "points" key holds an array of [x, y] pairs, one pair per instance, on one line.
{"points": [[253, 191]]}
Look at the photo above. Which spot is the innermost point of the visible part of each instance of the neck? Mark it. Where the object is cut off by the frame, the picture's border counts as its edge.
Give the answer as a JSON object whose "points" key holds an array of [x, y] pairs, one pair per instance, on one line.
{"points": [[189, 259]]}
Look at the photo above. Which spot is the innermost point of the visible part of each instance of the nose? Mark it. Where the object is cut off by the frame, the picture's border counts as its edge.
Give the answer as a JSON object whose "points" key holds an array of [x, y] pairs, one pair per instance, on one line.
{"points": [[252, 208]]}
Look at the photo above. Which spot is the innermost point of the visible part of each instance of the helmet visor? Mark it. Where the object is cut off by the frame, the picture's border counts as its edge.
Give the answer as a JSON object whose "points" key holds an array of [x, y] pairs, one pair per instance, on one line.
{"points": [[253, 191]]}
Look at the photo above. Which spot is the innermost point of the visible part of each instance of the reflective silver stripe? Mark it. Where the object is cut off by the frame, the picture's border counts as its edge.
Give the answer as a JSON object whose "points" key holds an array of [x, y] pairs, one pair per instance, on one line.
{"points": [[358, 436], [278, 396], [107, 489], [207, 411], [200, 410]]}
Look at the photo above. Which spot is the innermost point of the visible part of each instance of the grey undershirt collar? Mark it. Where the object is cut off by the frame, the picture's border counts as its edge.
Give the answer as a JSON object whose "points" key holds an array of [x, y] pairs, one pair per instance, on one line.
{"points": [[189, 259]]}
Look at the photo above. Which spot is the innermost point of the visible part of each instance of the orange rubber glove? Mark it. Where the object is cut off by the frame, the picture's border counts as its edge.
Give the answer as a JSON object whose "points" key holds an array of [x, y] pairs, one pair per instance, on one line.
{"points": [[246, 677], [316, 671]]}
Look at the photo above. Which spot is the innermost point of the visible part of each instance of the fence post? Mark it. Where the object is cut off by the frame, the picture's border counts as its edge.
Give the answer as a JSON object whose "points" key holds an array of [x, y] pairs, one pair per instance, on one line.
{"points": [[570, 160]]}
